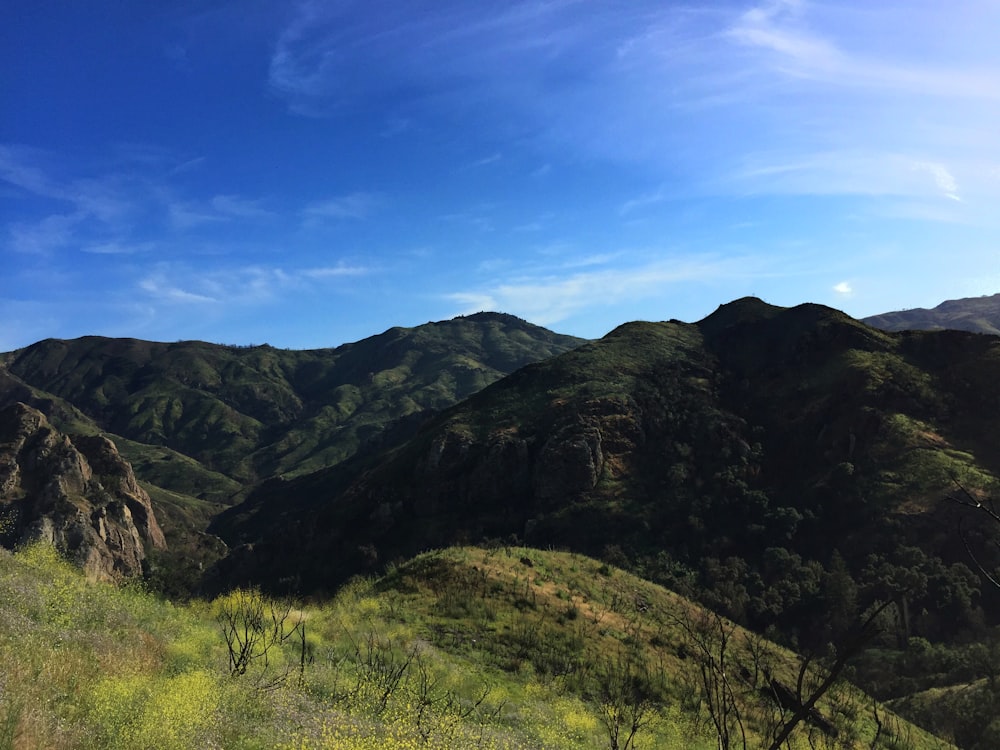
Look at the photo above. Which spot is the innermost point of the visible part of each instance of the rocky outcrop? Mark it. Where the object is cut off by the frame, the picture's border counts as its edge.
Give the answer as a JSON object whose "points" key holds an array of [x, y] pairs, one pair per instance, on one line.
{"points": [[77, 493]]}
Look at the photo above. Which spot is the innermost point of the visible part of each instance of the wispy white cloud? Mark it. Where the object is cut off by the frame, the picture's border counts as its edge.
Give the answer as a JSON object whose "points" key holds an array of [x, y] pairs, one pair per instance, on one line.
{"points": [[838, 99], [404, 46], [157, 287], [338, 271], [473, 302], [851, 172], [107, 198], [359, 205], [44, 236], [105, 212], [485, 161], [240, 285], [695, 91], [189, 165], [240, 207], [643, 201], [843, 288], [780, 28], [944, 180], [598, 259], [548, 298], [859, 109], [71, 211], [19, 167], [185, 215]]}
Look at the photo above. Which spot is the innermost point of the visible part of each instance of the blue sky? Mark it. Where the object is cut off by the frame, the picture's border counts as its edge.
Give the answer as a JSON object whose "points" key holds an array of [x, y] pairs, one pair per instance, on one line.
{"points": [[311, 173]]}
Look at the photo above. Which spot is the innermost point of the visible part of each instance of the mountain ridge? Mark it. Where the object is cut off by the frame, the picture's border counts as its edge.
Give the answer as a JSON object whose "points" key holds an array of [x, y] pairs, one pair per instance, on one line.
{"points": [[202, 423], [974, 314], [786, 423], [251, 412], [788, 466]]}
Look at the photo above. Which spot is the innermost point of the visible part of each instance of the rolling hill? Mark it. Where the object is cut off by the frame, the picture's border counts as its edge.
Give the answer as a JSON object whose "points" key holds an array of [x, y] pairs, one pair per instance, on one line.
{"points": [[757, 428], [788, 467], [202, 423], [975, 314], [785, 466], [252, 412], [496, 649]]}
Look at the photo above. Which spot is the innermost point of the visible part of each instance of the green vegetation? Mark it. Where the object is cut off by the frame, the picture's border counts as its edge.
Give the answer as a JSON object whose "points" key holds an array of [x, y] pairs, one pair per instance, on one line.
{"points": [[233, 415], [787, 468], [471, 648]]}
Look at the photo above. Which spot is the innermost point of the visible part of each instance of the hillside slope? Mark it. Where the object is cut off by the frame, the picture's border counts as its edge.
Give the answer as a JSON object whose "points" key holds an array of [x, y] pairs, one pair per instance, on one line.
{"points": [[253, 412], [501, 649], [201, 423], [785, 466], [731, 455], [975, 314]]}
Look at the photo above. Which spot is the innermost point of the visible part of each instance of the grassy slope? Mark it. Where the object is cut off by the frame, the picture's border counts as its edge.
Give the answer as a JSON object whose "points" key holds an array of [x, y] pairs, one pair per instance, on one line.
{"points": [[88, 666], [967, 712]]}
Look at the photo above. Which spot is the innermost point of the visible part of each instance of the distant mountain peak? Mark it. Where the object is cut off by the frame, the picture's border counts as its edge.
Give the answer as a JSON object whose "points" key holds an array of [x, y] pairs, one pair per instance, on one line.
{"points": [[486, 316], [975, 314], [742, 310]]}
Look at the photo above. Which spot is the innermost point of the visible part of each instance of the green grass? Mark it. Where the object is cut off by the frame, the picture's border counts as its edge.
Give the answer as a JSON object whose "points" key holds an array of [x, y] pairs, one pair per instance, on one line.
{"points": [[493, 649], [176, 472]]}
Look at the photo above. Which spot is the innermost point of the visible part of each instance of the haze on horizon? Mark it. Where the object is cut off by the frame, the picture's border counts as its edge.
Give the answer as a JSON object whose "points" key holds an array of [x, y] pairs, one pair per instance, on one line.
{"points": [[309, 173]]}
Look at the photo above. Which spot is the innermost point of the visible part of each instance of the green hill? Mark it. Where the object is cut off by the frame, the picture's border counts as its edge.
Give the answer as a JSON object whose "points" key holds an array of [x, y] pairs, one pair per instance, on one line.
{"points": [[253, 412], [472, 648], [676, 444], [786, 466], [200, 423]]}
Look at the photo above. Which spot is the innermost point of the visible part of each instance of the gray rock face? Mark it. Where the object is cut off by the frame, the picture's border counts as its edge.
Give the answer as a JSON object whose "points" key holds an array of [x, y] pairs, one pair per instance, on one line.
{"points": [[505, 478], [76, 493], [570, 463]]}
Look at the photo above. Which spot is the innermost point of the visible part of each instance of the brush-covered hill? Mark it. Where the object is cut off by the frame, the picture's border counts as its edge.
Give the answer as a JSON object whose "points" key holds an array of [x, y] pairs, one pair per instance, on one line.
{"points": [[758, 428], [498, 649], [253, 412], [202, 422], [784, 465], [975, 314]]}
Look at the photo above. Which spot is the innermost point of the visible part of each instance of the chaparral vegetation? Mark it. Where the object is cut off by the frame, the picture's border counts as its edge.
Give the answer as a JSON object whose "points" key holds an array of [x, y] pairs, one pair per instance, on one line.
{"points": [[467, 647]]}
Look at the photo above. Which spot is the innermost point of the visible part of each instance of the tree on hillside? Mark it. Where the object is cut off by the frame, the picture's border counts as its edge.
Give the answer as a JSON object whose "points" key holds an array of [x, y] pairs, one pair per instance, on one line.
{"points": [[255, 630], [981, 506], [736, 677], [625, 697]]}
